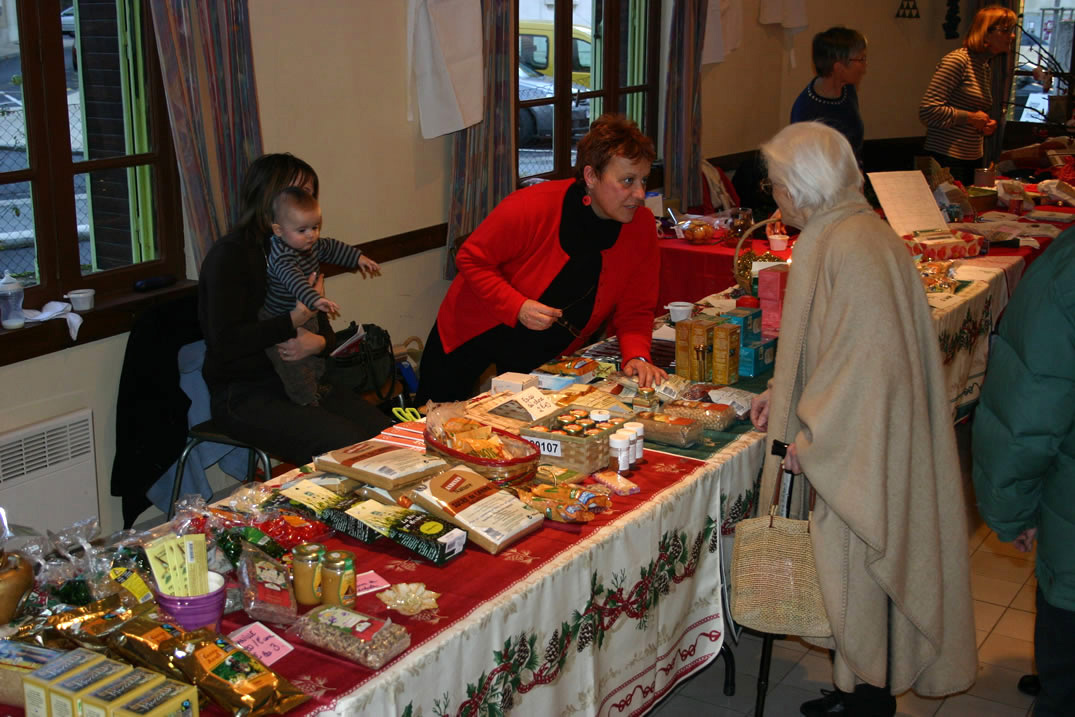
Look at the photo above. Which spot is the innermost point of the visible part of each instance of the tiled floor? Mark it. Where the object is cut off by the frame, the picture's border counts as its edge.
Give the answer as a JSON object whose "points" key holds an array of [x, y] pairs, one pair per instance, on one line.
{"points": [[1002, 584]]}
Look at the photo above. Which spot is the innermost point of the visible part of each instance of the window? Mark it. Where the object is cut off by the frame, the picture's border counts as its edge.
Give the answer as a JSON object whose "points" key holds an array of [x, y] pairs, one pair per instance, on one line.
{"points": [[612, 48], [87, 170], [1044, 45]]}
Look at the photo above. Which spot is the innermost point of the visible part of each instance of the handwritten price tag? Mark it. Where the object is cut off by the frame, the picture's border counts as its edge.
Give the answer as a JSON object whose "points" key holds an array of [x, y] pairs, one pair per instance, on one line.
{"points": [[535, 402], [369, 581], [261, 642]]}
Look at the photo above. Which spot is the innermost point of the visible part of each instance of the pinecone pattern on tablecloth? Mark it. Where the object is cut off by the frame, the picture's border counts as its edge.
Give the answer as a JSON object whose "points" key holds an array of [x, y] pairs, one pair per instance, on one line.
{"points": [[522, 653], [661, 584], [696, 549], [675, 548], [552, 651], [714, 541], [508, 700], [586, 635]]}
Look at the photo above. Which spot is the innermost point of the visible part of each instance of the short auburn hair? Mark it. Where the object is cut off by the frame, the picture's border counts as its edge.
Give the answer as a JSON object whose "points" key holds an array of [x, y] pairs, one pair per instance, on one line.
{"points": [[987, 19], [612, 135]]}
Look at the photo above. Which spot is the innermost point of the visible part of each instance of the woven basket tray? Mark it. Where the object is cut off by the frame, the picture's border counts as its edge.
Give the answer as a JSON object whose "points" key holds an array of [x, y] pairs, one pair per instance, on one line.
{"points": [[502, 472], [584, 454]]}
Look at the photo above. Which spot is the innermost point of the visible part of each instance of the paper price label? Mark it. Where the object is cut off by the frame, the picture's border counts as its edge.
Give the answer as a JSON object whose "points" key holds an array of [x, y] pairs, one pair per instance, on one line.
{"points": [[261, 642], [548, 446], [535, 402]]}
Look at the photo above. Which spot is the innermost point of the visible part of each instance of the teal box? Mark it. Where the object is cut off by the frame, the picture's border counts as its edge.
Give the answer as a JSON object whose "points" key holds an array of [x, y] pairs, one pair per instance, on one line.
{"points": [[757, 357], [749, 321]]}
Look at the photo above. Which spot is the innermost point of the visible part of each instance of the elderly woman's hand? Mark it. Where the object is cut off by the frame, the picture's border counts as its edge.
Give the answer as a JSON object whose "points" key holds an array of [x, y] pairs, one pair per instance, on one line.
{"points": [[306, 343], [647, 373], [759, 411], [537, 316]]}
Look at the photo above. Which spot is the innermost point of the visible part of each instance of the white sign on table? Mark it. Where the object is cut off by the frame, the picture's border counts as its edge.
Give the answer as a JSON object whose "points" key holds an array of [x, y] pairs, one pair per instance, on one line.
{"points": [[909, 205]]}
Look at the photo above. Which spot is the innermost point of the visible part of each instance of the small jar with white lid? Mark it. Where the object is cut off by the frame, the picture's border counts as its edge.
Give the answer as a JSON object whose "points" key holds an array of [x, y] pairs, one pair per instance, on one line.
{"points": [[619, 452], [640, 431]]}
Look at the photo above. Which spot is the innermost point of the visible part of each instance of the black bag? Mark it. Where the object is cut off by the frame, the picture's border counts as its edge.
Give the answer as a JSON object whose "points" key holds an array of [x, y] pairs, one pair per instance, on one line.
{"points": [[366, 365]]}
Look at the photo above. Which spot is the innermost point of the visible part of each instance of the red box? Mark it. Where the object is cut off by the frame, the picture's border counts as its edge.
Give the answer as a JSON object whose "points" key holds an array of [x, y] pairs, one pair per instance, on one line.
{"points": [[772, 282]]}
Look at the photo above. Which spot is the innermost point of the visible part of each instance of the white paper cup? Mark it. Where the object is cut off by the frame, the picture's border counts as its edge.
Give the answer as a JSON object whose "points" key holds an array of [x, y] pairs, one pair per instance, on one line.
{"points": [[778, 242], [680, 310], [81, 299]]}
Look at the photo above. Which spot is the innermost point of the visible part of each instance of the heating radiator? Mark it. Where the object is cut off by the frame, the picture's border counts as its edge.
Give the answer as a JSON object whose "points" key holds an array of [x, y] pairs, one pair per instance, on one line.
{"points": [[48, 472]]}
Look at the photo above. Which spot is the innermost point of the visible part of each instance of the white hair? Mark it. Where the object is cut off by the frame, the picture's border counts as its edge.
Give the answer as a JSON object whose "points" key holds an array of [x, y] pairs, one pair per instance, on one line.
{"points": [[814, 162]]}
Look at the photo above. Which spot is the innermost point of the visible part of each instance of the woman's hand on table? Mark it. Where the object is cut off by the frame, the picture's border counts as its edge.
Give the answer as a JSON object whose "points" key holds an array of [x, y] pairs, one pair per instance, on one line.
{"points": [[306, 343], [777, 227], [537, 316], [759, 411], [647, 373]]}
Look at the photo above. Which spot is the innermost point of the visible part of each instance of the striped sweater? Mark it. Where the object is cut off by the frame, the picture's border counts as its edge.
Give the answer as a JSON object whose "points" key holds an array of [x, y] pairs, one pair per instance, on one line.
{"points": [[961, 85], [289, 271]]}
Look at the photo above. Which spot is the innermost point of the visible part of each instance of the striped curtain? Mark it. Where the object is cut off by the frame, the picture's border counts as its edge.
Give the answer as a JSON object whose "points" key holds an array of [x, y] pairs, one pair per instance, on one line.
{"points": [[483, 155], [208, 70], [683, 116]]}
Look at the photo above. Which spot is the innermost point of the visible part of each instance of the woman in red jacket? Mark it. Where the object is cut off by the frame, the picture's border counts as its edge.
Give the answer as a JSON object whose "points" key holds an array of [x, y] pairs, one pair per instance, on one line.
{"points": [[550, 267]]}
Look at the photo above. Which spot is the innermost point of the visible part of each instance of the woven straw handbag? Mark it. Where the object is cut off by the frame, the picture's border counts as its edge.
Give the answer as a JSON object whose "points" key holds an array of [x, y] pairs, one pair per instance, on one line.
{"points": [[774, 578]]}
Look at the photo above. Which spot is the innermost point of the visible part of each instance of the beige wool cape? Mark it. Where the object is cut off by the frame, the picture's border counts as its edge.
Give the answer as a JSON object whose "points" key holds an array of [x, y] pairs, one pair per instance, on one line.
{"points": [[858, 387]]}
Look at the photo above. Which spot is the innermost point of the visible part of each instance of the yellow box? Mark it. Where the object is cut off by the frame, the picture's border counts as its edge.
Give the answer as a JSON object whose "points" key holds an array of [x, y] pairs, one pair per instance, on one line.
{"points": [[104, 701], [65, 696], [36, 685], [726, 353], [683, 348], [168, 699]]}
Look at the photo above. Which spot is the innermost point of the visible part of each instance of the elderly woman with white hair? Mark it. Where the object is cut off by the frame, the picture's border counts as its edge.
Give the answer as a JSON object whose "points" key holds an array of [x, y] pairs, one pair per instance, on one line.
{"points": [[859, 395]]}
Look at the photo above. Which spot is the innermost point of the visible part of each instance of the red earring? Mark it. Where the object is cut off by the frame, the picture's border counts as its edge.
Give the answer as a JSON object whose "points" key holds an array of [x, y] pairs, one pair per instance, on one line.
{"points": [[586, 200]]}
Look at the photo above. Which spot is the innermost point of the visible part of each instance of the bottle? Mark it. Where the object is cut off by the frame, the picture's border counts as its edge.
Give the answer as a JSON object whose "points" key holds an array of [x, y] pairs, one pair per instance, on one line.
{"points": [[11, 302], [619, 453], [640, 432], [306, 572], [338, 578]]}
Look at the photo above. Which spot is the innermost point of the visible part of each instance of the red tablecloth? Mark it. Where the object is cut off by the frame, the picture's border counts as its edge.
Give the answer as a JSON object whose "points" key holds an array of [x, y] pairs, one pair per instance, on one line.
{"points": [[692, 271], [464, 583]]}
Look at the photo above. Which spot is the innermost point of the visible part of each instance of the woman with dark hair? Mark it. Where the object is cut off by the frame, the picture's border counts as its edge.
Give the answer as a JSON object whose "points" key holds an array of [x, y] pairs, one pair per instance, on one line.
{"points": [[839, 55], [956, 105], [248, 400], [546, 270]]}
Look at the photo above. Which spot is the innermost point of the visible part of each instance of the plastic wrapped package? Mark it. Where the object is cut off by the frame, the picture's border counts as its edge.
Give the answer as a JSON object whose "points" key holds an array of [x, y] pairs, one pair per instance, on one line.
{"points": [[670, 430], [266, 586], [369, 641], [714, 416]]}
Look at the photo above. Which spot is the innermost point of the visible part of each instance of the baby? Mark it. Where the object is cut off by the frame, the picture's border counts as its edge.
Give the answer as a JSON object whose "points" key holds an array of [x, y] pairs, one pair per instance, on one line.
{"points": [[296, 251]]}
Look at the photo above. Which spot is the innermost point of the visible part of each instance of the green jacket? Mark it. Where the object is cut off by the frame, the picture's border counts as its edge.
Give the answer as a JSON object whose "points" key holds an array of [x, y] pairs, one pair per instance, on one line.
{"points": [[1024, 428]]}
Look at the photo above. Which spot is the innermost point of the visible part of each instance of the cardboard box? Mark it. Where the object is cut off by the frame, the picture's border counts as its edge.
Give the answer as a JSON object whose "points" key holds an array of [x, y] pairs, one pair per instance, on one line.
{"points": [[18, 659], [683, 348], [167, 699], [773, 283], [757, 357], [380, 464], [726, 353], [514, 382], [771, 313], [493, 519], [65, 696], [554, 382], [749, 321], [37, 684], [103, 701], [702, 350]]}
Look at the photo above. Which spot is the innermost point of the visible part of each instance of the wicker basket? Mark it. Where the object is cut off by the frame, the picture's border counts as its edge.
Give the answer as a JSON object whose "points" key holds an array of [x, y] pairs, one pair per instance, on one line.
{"points": [[503, 472], [741, 265], [584, 454]]}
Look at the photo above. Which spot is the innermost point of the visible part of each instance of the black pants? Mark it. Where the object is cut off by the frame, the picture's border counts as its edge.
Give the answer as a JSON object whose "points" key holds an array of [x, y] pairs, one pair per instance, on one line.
{"points": [[260, 413], [962, 169], [453, 376], [1053, 629]]}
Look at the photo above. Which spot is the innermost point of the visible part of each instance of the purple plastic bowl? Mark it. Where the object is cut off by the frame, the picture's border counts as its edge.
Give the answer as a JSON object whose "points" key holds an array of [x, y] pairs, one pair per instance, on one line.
{"points": [[190, 613]]}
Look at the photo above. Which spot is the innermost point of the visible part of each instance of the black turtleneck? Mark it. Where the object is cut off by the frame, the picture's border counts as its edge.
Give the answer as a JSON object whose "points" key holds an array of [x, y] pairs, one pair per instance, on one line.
{"points": [[583, 236]]}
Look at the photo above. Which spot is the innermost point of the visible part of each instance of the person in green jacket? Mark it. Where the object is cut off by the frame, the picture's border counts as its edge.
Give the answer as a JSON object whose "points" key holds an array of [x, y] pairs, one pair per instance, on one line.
{"points": [[1024, 454]]}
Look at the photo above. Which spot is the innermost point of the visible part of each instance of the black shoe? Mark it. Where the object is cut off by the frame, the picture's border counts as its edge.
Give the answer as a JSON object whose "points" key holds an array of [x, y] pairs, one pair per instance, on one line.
{"points": [[1030, 685], [831, 702], [871, 701]]}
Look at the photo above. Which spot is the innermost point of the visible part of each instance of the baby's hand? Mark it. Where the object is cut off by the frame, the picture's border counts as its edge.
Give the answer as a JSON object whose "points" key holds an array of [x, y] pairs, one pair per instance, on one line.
{"points": [[368, 266], [329, 307]]}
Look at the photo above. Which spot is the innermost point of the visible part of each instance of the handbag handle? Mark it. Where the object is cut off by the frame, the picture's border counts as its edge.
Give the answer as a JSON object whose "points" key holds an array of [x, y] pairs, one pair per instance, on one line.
{"points": [[780, 449]]}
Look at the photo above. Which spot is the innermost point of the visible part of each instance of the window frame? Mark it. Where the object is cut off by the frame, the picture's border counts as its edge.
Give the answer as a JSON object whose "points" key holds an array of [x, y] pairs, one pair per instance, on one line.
{"points": [[1018, 132], [51, 169], [563, 40]]}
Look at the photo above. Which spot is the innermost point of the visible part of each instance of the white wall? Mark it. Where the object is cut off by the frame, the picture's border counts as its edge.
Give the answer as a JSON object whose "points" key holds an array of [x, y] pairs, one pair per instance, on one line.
{"points": [[332, 87]]}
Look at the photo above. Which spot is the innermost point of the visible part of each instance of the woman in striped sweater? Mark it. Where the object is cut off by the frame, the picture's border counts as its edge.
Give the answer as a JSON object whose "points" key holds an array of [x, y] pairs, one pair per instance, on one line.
{"points": [[955, 108]]}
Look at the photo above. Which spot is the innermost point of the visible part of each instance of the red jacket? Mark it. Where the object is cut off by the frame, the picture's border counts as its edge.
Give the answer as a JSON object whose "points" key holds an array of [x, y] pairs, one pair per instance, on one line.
{"points": [[515, 254]]}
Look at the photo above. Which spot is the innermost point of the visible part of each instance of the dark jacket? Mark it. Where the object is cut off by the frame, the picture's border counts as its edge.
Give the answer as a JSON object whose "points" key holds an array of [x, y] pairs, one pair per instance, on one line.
{"points": [[1024, 430], [151, 408]]}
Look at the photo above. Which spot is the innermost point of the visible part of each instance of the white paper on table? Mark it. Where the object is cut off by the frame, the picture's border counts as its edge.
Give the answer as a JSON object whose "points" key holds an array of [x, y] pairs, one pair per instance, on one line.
{"points": [[665, 332], [939, 300], [909, 205], [998, 217], [972, 272], [1044, 215]]}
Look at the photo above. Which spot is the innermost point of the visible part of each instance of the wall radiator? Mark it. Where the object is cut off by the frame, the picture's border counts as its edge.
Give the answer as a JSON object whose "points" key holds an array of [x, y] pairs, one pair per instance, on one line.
{"points": [[48, 472]]}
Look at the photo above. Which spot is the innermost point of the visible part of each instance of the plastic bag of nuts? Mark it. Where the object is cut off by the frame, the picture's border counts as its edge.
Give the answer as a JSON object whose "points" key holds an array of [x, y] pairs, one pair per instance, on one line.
{"points": [[369, 641]]}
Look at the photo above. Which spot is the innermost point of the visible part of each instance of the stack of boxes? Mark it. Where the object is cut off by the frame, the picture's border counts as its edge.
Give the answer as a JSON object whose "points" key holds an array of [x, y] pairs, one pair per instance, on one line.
{"points": [[772, 283], [708, 350]]}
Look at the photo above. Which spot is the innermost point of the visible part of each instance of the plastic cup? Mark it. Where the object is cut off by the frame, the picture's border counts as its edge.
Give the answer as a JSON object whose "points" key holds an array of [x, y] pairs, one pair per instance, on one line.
{"points": [[679, 310], [81, 299], [778, 242], [190, 613]]}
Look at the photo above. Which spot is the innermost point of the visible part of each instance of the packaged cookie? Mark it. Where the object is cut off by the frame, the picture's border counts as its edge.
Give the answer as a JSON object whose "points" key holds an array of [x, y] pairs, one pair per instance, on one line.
{"points": [[266, 586], [714, 416], [366, 640]]}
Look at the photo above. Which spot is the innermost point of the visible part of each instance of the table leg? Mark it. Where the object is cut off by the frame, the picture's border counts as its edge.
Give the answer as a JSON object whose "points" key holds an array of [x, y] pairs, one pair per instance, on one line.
{"points": [[729, 669], [763, 674]]}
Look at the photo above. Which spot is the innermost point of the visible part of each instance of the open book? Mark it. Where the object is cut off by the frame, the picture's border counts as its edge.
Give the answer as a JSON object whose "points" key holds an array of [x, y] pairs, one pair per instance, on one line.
{"points": [[351, 345]]}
